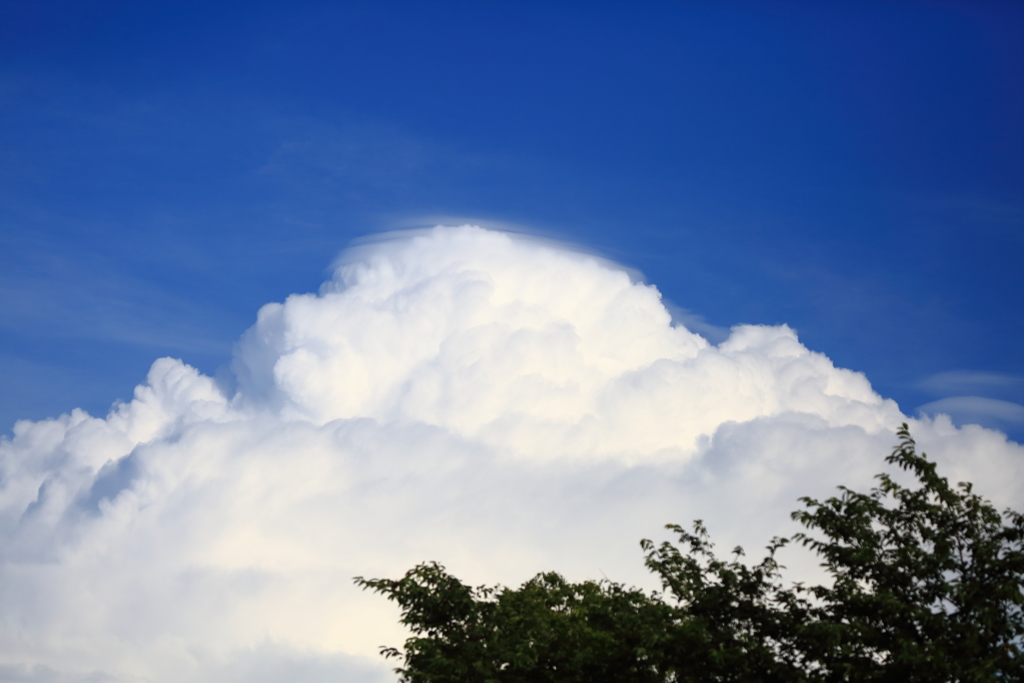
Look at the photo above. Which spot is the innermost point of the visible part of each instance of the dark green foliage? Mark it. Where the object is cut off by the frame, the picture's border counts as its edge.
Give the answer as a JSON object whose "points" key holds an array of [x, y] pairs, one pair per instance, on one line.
{"points": [[927, 581], [926, 586], [547, 630], [730, 622]]}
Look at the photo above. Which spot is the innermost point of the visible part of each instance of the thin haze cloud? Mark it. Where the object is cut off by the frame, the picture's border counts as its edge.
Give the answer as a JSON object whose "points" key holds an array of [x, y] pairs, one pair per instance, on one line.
{"points": [[964, 381], [973, 408], [501, 404]]}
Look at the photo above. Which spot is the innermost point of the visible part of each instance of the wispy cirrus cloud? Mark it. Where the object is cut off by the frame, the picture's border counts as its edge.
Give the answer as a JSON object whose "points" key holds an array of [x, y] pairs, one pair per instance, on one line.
{"points": [[972, 397], [976, 410], [966, 381]]}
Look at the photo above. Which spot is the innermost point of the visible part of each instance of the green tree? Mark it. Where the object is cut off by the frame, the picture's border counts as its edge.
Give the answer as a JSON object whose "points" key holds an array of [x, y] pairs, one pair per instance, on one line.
{"points": [[547, 630], [926, 585], [926, 581]]}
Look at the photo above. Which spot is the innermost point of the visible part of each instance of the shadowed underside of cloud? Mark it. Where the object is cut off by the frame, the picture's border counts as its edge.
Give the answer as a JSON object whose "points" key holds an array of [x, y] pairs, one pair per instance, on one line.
{"points": [[498, 404]]}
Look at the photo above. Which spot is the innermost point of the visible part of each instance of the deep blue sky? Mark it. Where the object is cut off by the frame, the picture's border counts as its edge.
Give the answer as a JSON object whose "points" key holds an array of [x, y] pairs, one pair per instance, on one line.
{"points": [[854, 170]]}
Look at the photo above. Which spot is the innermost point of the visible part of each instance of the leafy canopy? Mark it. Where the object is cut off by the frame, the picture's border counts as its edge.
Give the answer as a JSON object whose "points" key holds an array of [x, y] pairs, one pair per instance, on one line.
{"points": [[926, 585]]}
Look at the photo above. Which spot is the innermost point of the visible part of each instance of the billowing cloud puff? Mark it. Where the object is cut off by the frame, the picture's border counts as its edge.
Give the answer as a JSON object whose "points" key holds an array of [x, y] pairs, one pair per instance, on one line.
{"points": [[499, 404]]}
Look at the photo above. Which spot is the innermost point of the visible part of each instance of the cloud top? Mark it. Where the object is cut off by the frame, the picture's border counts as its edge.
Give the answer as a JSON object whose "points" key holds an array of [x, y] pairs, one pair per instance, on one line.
{"points": [[522, 345], [501, 404]]}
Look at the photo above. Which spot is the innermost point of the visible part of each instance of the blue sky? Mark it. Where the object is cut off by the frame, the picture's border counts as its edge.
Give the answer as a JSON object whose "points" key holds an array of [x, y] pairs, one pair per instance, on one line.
{"points": [[854, 170]]}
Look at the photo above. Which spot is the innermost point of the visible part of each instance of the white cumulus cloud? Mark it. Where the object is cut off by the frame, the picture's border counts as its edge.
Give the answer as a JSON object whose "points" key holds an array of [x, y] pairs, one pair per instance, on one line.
{"points": [[499, 404]]}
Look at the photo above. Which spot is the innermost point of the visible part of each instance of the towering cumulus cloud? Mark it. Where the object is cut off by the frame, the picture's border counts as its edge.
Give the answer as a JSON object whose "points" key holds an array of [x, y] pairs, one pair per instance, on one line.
{"points": [[498, 404]]}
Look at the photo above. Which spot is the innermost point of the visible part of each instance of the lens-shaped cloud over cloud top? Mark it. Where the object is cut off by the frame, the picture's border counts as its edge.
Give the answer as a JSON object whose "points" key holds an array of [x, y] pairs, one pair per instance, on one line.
{"points": [[497, 403]]}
